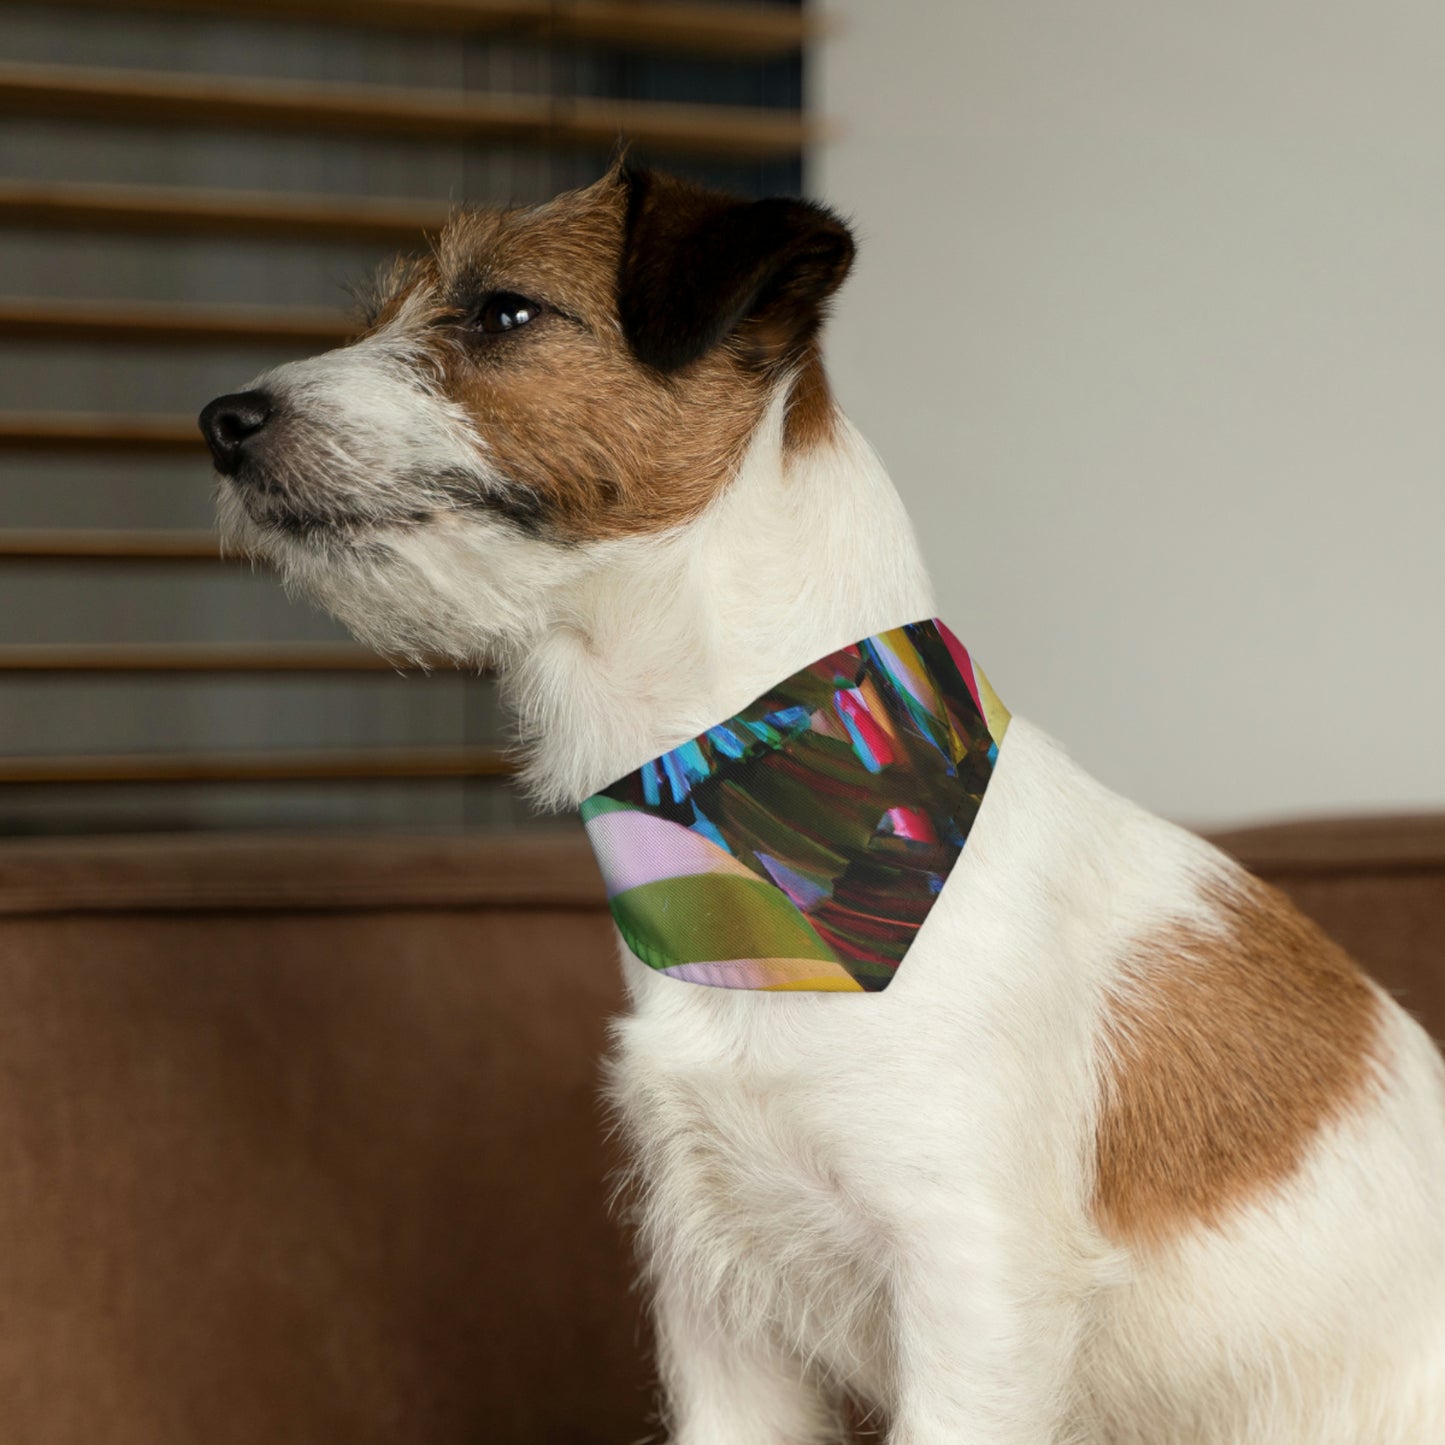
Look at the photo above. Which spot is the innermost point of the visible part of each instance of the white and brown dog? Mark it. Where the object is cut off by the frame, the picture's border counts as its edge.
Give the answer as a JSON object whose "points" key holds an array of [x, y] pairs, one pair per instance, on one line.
{"points": [[1128, 1153]]}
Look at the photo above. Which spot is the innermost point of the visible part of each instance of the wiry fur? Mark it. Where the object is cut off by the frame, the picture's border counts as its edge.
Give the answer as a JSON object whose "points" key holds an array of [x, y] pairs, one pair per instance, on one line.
{"points": [[896, 1196]]}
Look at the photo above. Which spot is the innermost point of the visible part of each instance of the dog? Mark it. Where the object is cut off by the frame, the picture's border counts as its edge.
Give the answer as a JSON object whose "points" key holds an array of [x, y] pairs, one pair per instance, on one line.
{"points": [[1127, 1152]]}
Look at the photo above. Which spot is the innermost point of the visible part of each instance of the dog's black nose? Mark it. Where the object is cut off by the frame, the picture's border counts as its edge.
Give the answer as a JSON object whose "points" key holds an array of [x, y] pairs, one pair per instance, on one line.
{"points": [[229, 422]]}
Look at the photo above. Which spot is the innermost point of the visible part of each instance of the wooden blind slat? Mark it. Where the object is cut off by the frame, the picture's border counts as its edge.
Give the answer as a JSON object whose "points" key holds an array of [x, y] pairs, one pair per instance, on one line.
{"points": [[752, 31], [358, 764], [707, 29], [160, 98], [181, 657], [107, 546], [94, 431], [172, 210], [168, 323]]}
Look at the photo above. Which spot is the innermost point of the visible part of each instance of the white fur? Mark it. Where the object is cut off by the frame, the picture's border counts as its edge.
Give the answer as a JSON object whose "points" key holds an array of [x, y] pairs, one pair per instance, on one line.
{"points": [[890, 1194]]}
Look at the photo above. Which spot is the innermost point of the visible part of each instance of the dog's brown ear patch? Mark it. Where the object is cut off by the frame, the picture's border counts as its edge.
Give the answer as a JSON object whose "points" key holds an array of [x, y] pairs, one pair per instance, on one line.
{"points": [[699, 267], [1228, 1049]]}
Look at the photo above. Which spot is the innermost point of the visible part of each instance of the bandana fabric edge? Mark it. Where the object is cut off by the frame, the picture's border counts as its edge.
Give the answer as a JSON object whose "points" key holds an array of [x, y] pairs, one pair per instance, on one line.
{"points": [[800, 844]]}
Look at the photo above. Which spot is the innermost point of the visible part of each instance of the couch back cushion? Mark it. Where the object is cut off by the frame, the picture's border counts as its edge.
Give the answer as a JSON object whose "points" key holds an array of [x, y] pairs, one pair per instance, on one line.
{"points": [[309, 1161], [300, 1138]]}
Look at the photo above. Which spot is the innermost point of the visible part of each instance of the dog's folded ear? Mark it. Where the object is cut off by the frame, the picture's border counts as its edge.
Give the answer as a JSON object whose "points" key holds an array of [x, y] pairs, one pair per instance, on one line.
{"points": [[699, 267]]}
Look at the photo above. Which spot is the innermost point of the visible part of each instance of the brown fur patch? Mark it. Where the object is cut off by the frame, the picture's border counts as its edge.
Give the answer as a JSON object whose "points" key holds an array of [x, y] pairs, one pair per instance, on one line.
{"points": [[1229, 1051], [596, 443], [812, 412]]}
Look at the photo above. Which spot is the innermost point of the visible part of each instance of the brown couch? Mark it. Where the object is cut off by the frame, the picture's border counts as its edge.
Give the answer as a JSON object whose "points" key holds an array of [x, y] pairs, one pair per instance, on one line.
{"points": [[299, 1141]]}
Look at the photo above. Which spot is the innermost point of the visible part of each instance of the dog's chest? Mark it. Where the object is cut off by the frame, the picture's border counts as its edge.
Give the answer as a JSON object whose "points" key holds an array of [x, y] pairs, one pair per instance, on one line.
{"points": [[754, 1182]]}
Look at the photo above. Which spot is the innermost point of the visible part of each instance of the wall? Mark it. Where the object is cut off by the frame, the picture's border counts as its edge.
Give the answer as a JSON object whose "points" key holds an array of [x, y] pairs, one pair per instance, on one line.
{"points": [[1149, 324]]}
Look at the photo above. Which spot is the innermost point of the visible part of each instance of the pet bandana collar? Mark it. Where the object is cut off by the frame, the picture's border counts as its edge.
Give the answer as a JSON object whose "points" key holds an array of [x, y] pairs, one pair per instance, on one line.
{"points": [[800, 844]]}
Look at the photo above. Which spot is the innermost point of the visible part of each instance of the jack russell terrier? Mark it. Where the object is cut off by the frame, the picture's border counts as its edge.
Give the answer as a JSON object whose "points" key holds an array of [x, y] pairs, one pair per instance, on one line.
{"points": [[1101, 1143]]}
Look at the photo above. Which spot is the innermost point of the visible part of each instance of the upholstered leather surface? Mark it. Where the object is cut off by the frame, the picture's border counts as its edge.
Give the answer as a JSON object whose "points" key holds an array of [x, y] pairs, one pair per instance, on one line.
{"points": [[326, 1171], [299, 1140]]}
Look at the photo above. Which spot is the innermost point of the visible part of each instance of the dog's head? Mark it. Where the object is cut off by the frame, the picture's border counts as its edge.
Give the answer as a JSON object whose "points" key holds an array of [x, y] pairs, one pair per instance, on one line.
{"points": [[547, 383]]}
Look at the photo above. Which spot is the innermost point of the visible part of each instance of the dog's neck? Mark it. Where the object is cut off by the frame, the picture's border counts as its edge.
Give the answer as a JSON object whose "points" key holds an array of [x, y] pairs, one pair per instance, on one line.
{"points": [[805, 552]]}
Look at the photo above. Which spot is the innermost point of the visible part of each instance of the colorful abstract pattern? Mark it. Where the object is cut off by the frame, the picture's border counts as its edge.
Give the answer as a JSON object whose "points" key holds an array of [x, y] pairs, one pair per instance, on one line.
{"points": [[800, 844]]}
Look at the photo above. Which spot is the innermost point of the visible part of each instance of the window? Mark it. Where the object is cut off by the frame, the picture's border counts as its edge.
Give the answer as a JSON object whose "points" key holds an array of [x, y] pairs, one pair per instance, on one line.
{"points": [[188, 192]]}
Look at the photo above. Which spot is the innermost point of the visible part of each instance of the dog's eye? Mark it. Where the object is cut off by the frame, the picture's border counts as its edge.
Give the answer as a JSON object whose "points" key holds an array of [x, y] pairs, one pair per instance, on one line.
{"points": [[505, 311]]}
